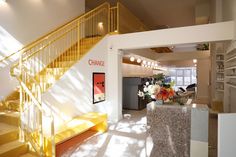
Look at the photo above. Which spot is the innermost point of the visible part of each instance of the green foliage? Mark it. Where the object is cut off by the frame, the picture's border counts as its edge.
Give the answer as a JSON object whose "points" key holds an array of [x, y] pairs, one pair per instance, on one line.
{"points": [[159, 77]]}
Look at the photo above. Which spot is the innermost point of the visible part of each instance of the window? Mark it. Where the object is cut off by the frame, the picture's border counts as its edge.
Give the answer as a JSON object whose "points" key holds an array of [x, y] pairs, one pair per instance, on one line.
{"points": [[183, 76], [179, 81]]}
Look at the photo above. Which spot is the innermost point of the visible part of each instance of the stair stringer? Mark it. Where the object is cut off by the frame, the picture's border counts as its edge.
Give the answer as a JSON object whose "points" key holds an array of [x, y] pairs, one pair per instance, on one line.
{"points": [[71, 95]]}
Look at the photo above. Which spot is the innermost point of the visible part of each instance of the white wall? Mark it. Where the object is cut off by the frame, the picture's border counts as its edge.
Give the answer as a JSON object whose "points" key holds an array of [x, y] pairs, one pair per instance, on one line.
{"points": [[203, 82], [27, 20], [72, 94], [130, 70], [174, 36]]}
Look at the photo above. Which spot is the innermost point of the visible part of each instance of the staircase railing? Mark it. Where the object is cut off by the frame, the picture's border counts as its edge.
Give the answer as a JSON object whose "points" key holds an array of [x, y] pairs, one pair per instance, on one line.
{"points": [[32, 115], [114, 19], [70, 41], [61, 49], [124, 21]]}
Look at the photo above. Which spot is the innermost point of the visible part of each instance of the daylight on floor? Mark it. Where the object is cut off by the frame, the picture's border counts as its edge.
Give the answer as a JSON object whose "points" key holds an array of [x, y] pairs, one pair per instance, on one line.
{"points": [[117, 78]]}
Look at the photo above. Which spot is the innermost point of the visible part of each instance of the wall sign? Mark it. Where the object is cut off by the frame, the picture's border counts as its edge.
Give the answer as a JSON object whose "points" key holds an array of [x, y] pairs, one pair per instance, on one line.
{"points": [[98, 87], [95, 62]]}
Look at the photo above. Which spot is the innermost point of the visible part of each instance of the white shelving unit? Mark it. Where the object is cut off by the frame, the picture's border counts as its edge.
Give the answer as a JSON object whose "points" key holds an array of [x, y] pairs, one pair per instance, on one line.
{"points": [[219, 61], [230, 77]]}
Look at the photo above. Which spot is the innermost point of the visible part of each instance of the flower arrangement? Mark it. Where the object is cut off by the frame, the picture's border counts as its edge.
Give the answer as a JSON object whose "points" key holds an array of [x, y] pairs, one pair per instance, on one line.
{"points": [[159, 88]]}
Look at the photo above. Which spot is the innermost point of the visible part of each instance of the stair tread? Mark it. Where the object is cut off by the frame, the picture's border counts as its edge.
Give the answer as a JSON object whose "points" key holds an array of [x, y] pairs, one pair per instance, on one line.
{"points": [[28, 155], [6, 128], [9, 146], [14, 101], [10, 113]]}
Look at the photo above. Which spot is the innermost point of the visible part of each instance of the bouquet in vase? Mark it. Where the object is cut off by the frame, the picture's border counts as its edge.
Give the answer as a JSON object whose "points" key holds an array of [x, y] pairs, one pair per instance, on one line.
{"points": [[158, 89]]}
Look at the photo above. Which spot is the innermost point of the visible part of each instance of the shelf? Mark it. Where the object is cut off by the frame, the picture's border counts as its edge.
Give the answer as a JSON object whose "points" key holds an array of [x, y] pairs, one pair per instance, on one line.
{"points": [[220, 72], [213, 112], [231, 85], [232, 67], [230, 59], [231, 77], [219, 90], [220, 81], [231, 48], [219, 60]]}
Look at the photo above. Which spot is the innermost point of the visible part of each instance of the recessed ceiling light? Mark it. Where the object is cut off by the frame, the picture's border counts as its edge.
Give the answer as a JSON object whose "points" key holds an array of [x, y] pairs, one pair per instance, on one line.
{"points": [[195, 61], [149, 63], [139, 60], [100, 24], [144, 62], [132, 59]]}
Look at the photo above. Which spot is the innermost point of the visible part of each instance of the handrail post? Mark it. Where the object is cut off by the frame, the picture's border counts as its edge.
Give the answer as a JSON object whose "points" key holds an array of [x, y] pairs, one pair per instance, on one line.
{"points": [[78, 43], [117, 17], [41, 140], [53, 138], [109, 19], [21, 128]]}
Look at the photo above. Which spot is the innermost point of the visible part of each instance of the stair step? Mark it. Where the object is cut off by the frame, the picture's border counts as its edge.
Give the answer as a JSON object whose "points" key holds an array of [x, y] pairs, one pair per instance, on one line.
{"points": [[89, 39], [62, 64], [54, 71], [69, 57], [14, 95], [13, 149], [13, 105], [2, 106], [9, 117], [8, 133], [29, 155]]}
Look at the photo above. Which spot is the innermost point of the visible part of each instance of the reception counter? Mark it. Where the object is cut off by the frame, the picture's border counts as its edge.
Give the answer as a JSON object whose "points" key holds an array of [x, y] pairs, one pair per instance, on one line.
{"points": [[178, 131]]}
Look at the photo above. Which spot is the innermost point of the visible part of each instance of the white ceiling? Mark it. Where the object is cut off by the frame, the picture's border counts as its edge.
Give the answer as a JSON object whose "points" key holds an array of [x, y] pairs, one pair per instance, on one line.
{"points": [[158, 14]]}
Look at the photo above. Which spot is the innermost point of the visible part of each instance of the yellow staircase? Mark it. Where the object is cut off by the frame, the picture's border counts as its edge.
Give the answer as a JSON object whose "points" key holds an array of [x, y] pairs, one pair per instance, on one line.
{"points": [[40, 65], [43, 62], [9, 117], [52, 72], [9, 133]]}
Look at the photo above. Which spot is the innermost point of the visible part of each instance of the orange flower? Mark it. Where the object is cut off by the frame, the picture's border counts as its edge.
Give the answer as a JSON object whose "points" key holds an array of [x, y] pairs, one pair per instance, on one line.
{"points": [[165, 93]]}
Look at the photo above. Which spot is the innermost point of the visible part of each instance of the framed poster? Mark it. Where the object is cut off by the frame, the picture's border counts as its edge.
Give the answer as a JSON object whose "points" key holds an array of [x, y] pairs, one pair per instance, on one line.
{"points": [[98, 87]]}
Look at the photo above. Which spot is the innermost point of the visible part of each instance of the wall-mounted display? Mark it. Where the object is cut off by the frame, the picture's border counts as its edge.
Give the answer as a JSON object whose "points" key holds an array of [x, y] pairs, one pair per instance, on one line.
{"points": [[98, 87]]}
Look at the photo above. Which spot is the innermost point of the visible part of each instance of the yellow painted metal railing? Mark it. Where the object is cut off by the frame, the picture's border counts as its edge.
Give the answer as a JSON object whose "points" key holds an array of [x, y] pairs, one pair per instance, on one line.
{"points": [[45, 61], [114, 20], [127, 22]]}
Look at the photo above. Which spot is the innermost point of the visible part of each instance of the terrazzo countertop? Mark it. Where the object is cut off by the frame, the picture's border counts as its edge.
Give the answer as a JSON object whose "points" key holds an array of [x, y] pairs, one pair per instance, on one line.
{"points": [[170, 129]]}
